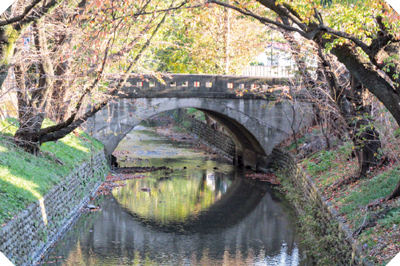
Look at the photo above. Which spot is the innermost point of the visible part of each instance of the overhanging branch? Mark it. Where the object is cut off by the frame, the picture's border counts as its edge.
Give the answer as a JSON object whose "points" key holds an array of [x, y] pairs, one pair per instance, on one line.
{"points": [[22, 16], [39, 14], [261, 19], [62, 129], [309, 31]]}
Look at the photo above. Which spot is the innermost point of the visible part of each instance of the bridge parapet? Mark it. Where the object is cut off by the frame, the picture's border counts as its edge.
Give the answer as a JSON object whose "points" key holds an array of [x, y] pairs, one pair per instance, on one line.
{"points": [[203, 86]]}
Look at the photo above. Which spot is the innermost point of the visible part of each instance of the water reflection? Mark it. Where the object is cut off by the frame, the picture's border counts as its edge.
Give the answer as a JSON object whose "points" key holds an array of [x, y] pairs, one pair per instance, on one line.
{"points": [[246, 225], [172, 199], [206, 214]]}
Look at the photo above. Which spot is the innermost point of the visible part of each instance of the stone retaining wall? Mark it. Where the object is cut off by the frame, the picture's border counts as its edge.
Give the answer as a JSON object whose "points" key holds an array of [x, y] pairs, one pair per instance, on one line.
{"points": [[24, 239], [216, 140], [325, 220]]}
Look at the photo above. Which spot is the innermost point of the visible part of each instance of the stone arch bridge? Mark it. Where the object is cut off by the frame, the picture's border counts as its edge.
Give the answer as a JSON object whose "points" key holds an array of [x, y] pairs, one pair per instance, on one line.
{"points": [[249, 108]]}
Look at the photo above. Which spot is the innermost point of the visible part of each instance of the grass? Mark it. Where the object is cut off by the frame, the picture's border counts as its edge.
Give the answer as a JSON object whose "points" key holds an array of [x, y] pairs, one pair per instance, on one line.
{"points": [[25, 178], [325, 167], [368, 190], [199, 115], [292, 146]]}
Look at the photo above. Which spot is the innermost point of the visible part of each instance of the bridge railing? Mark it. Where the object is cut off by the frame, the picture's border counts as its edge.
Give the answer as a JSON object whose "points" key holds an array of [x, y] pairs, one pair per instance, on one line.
{"points": [[197, 84], [269, 71]]}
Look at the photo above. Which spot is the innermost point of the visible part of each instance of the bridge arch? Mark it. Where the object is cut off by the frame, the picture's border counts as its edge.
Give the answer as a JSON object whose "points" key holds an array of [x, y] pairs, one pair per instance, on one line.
{"points": [[256, 125]]}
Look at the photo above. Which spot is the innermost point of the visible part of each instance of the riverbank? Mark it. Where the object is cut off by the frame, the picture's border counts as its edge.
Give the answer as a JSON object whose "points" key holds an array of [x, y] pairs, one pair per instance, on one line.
{"points": [[40, 196], [179, 134], [374, 228], [22, 179]]}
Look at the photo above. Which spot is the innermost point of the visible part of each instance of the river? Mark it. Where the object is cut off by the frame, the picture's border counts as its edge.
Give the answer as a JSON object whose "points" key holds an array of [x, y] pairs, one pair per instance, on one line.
{"points": [[199, 211]]}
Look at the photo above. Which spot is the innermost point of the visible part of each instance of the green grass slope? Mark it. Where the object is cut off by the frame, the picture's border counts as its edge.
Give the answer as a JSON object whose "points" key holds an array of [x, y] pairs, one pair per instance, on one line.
{"points": [[25, 178]]}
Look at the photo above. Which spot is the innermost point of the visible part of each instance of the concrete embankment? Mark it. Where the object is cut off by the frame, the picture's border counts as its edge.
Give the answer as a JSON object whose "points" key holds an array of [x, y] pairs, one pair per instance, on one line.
{"points": [[25, 238], [214, 139], [325, 234]]}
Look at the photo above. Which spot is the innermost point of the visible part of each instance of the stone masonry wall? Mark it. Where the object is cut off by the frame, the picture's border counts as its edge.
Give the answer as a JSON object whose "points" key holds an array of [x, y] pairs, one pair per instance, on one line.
{"points": [[341, 241], [24, 239], [216, 140]]}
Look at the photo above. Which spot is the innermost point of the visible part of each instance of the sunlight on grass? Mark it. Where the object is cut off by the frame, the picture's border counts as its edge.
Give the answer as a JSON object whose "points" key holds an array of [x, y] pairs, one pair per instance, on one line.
{"points": [[20, 183], [26, 186], [25, 178]]}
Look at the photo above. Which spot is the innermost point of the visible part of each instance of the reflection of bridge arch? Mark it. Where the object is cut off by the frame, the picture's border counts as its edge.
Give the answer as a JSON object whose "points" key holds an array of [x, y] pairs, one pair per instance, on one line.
{"points": [[255, 125], [240, 199], [268, 227]]}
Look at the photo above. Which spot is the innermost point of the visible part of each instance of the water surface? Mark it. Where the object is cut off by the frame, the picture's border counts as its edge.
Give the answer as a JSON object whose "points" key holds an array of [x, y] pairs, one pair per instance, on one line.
{"points": [[200, 212]]}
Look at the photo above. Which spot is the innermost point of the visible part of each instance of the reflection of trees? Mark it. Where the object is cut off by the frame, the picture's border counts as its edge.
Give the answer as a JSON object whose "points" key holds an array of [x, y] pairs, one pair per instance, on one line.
{"points": [[260, 235], [76, 258], [200, 193], [190, 205], [170, 200], [201, 257]]}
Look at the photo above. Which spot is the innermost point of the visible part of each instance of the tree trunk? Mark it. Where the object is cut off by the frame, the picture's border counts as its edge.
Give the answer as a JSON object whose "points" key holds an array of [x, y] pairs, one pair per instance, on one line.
{"points": [[10, 33], [58, 109], [227, 39], [59, 104], [365, 137], [27, 136], [368, 146], [32, 108], [30, 121], [395, 193], [366, 74]]}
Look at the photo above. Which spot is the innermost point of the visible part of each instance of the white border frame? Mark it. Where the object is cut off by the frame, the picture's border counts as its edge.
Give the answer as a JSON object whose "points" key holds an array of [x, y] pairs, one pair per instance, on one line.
{"points": [[4, 261], [5, 4]]}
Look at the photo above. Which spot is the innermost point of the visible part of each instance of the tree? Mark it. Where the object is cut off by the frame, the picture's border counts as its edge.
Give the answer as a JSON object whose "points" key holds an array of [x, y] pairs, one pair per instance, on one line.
{"points": [[370, 45], [12, 27], [210, 40], [75, 51], [362, 35]]}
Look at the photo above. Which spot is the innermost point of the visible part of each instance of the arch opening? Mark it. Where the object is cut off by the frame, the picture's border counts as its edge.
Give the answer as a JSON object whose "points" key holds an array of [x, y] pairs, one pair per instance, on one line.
{"points": [[255, 128]]}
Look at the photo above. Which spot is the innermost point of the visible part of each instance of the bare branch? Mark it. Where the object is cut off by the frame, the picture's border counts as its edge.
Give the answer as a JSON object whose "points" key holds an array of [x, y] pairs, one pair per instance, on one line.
{"points": [[261, 19], [69, 121], [309, 32], [64, 128], [39, 14], [164, 10], [22, 16]]}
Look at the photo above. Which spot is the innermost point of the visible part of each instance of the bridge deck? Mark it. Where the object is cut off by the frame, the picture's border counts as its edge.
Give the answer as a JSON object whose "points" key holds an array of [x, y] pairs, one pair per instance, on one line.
{"points": [[204, 86]]}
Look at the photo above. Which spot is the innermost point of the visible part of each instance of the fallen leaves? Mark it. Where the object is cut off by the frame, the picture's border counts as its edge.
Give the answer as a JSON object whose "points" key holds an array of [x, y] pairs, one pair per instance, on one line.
{"points": [[108, 185], [270, 178]]}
